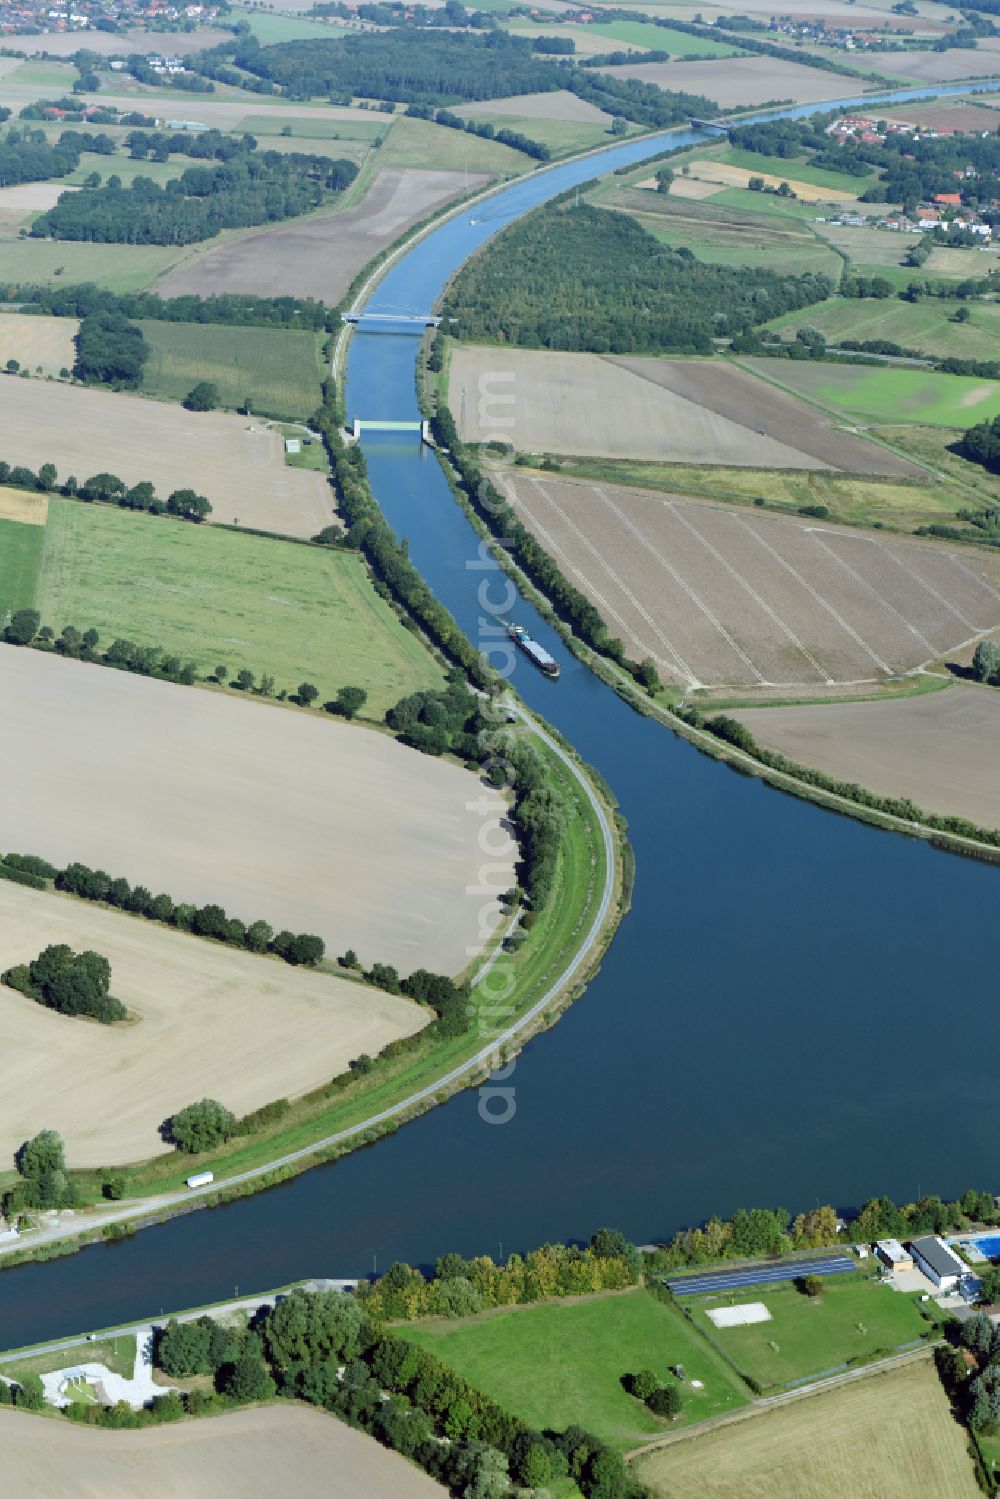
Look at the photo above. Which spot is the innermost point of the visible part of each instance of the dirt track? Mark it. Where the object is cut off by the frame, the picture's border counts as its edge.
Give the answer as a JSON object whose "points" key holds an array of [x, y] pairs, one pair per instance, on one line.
{"points": [[939, 750], [320, 256], [233, 460], [728, 596], [251, 1454], [211, 1022], [303, 821]]}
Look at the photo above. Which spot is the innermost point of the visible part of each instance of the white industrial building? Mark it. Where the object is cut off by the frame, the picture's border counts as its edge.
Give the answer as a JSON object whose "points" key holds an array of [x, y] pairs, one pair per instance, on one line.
{"points": [[939, 1263]]}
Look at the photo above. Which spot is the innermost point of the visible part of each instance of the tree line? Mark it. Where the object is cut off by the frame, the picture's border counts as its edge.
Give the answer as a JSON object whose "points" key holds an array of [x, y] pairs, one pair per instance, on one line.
{"points": [[107, 489], [232, 308], [589, 279], [262, 188], [483, 128]]}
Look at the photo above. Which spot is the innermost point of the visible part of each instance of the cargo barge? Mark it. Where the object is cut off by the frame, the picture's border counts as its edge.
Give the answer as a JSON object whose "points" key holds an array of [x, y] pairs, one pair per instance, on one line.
{"points": [[535, 653]]}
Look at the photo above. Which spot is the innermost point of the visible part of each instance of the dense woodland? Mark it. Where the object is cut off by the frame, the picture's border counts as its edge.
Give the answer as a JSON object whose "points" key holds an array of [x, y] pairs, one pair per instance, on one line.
{"points": [[26, 156], [438, 68], [257, 189], [589, 279]]}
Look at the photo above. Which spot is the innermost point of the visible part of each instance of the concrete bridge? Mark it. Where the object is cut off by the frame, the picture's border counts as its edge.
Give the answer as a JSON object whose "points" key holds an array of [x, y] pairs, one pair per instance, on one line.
{"points": [[715, 127], [422, 319], [363, 424]]}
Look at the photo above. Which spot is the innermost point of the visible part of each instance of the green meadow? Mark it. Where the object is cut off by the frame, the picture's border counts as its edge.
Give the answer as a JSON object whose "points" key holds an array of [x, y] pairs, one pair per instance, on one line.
{"points": [[888, 396], [279, 369], [20, 561]]}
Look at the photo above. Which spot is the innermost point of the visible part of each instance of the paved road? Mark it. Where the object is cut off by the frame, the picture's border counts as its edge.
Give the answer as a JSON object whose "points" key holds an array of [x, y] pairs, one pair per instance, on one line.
{"points": [[485, 1055]]}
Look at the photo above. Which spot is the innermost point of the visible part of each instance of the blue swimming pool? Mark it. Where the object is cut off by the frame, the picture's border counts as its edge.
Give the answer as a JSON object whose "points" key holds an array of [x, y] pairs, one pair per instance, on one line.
{"points": [[989, 1245]]}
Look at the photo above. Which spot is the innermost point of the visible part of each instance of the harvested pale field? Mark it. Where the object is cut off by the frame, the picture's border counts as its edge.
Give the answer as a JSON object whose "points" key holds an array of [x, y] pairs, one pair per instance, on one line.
{"points": [[559, 105], [252, 1454], [945, 261], [117, 44], [687, 187], [940, 750], [32, 197], [21, 504], [320, 256], [34, 341], [934, 67], [673, 410], [723, 175], [971, 118], [735, 597], [300, 820], [229, 113], [733, 81], [235, 461], [889, 1436], [209, 1022]]}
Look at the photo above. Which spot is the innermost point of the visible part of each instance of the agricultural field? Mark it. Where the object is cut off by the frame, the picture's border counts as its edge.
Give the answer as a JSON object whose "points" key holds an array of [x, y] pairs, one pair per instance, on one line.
{"points": [[735, 81], [739, 597], [113, 44], [421, 143], [888, 1436], [675, 410], [120, 268], [561, 1362], [729, 176], [836, 184], [279, 370], [853, 1318], [887, 396], [560, 135], [235, 461], [950, 66], [228, 1457], [269, 29], [595, 38], [272, 813], [939, 750], [21, 541], [42, 345], [211, 596], [927, 325], [205, 1021], [559, 106], [972, 116], [319, 256]]}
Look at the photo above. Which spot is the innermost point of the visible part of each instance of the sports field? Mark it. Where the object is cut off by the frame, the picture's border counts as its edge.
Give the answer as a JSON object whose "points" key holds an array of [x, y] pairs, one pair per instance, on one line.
{"points": [[889, 1436], [297, 819], [210, 596], [278, 369], [561, 1363], [887, 396], [940, 750], [43, 345], [719, 595], [206, 1021], [926, 325], [237, 463], [848, 1322], [235, 1456]]}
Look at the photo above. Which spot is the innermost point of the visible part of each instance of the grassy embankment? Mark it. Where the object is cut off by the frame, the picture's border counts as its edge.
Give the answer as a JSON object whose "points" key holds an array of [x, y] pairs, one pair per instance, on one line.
{"points": [[116, 1353], [216, 597], [278, 370]]}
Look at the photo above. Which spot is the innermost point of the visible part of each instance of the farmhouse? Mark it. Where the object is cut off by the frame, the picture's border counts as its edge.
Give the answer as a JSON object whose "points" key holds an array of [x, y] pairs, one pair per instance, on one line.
{"points": [[893, 1255], [939, 1263]]}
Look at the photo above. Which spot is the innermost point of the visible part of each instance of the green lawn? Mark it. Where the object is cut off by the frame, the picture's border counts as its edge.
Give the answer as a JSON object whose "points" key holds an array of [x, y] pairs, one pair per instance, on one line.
{"points": [[561, 1362], [120, 268], [118, 1354], [279, 369], [421, 143], [889, 395], [124, 167], [214, 596], [270, 29], [852, 1319], [792, 168], [20, 559], [926, 326]]}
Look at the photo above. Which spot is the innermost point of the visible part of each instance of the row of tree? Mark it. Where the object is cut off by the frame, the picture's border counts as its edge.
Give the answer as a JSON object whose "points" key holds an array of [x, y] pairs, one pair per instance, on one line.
{"points": [[108, 489], [585, 278], [483, 128], [81, 300], [69, 983]]}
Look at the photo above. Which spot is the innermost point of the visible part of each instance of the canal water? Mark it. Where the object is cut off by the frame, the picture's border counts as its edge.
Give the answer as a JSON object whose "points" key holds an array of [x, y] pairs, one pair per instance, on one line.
{"points": [[792, 1012]]}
